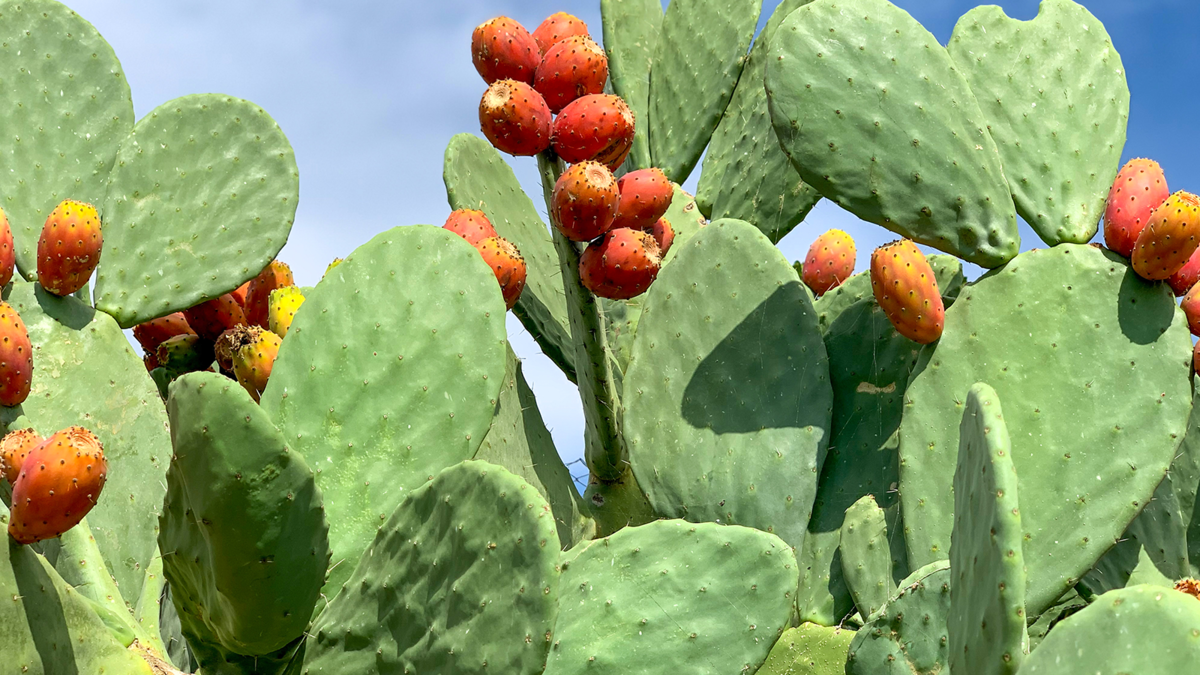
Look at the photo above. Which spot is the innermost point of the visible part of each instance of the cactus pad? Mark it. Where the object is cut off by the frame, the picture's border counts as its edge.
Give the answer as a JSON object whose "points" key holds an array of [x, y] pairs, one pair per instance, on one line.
{"points": [[866, 558], [809, 649], [908, 637], [631, 29]]}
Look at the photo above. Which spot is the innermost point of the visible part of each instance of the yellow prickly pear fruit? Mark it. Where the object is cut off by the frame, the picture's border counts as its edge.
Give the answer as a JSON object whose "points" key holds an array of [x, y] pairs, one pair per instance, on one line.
{"points": [[283, 305]]}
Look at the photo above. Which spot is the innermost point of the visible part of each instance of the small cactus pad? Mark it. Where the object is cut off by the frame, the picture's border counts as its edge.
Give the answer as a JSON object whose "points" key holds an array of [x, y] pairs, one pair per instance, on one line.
{"points": [[809, 649], [874, 116], [631, 30], [462, 578], [202, 197], [638, 602], [909, 636], [866, 558]]}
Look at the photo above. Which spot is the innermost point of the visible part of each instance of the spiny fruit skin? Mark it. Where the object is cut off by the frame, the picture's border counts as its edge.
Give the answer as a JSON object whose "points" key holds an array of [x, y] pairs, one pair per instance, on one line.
{"points": [[69, 248], [239, 294], [574, 67], [59, 483], [150, 359], [275, 275], [471, 225], [1191, 309], [645, 196], [1171, 236], [663, 233], [830, 261], [597, 127], [253, 362], [285, 302], [1182, 281], [1196, 358], [230, 342], [154, 332], [506, 261], [558, 27], [14, 448], [584, 203], [16, 357], [1140, 186], [906, 290], [8, 255], [212, 317], [1189, 586], [185, 354], [503, 50], [620, 266], [515, 118]]}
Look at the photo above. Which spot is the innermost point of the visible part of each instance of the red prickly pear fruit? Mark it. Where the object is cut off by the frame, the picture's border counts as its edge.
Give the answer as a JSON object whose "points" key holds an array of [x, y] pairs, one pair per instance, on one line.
{"points": [[231, 342], [1196, 357], [69, 248], [153, 333], [663, 233], [645, 196], [906, 290], [558, 27], [212, 317], [239, 295], [620, 266], [597, 127], [1171, 236], [1140, 186], [1182, 281], [150, 359], [275, 275], [515, 118], [471, 225], [252, 363], [59, 483], [8, 255], [830, 261], [584, 203], [16, 357], [503, 50], [14, 448], [1191, 309], [506, 261], [574, 67]]}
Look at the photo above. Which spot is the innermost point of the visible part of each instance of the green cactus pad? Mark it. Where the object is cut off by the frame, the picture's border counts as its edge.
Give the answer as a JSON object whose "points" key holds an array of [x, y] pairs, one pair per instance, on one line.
{"points": [[746, 174], [1054, 95], [477, 177], [389, 375], [639, 602], [1066, 606], [631, 29], [463, 578], [727, 396], [987, 595], [519, 441], [685, 218], [866, 557], [1185, 481], [1094, 369], [243, 526], [908, 637], [1159, 533], [148, 610], [697, 61], [809, 649], [67, 108], [1142, 629], [202, 197], [873, 114], [85, 373]]}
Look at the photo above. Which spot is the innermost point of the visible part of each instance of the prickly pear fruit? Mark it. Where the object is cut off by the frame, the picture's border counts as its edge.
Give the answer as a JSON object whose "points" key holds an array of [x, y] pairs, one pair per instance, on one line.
{"points": [[1182, 281], [275, 275], [503, 50], [1140, 186], [663, 233], [1189, 586], [16, 357], [230, 342], [185, 354], [906, 290], [14, 448], [558, 27], [69, 248], [1196, 358], [1171, 236], [284, 304], [150, 359], [645, 196], [471, 225], [620, 266], [8, 255], [597, 127], [239, 294], [506, 261], [59, 483], [253, 362], [515, 118], [830, 261], [1191, 309], [212, 317], [333, 264], [153, 333], [584, 203], [574, 67]]}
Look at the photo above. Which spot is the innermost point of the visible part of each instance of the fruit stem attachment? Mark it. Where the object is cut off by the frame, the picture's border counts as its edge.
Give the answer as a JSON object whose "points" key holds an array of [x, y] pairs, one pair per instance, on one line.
{"points": [[607, 458]]}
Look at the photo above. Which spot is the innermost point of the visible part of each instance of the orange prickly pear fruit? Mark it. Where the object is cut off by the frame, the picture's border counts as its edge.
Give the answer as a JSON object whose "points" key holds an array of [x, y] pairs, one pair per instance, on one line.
{"points": [[558, 27], [252, 363], [830, 261], [598, 127], [8, 255], [153, 333], [584, 202], [16, 357], [275, 275], [212, 317], [574, 67], [1191, 309], [239, 295], [645, 196], [620, 266], [1171, 236], [59, 483], [663, 233], [906, 290], [285, 302], [515, 118], [471, 225], [1140, 186], [503, 49], [69, 248], [1182, 281], [14, 448], [230, 342], [506, 261]]}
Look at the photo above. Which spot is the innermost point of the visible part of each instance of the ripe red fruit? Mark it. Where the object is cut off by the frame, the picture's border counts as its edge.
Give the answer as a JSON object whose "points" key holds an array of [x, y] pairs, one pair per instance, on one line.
{"points": [[558, 27], [620, 266], [1171, 236], [574, 67], [239, 294], [275, 275], [597, 127], [8, 255], [1182, 281], [1139, 188], [471, 225], [584, 203], [16, 357], [59, 483], [1196, 357], [157, 331], [14, 448], [506, 261], [503, 50], [645, 196], [514, 118], [1191, 309], [663, 233], [69, 247], [212, 317], [905, 288], [830, 261], [150, 360]]}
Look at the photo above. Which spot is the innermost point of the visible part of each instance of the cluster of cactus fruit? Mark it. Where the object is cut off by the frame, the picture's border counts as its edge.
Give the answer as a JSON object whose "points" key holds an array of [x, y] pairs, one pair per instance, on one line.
{"points": [[794, 468]]}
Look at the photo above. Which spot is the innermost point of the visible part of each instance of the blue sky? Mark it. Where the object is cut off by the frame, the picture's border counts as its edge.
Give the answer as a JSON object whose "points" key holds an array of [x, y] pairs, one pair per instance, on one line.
{"points": [[370, 92]]}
